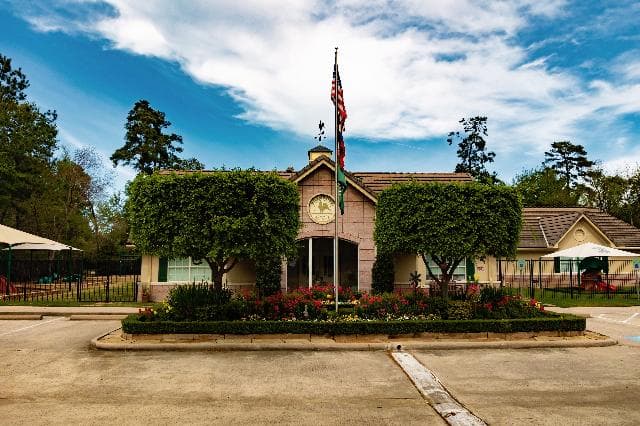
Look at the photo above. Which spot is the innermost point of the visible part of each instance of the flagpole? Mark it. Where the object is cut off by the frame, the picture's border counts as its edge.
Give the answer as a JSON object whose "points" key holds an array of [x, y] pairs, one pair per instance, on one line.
{"points": [[335, 185]]}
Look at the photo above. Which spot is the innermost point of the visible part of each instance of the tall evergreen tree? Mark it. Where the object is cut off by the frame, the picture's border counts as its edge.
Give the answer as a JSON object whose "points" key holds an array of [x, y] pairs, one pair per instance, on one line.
{"points": [[27, 143], [146, 146], [472, 149], [569, 160]]}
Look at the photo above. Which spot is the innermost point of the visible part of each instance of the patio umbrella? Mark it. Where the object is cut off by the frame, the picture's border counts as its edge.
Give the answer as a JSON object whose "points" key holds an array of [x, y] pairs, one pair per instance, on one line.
{"points": [[17, 239], [52, 246], [589, 250], [12, 237]]}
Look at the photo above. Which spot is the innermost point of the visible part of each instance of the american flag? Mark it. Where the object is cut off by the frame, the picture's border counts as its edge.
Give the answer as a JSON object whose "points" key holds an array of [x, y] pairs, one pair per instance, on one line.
{"points": [[342, 111], [342, 114]]}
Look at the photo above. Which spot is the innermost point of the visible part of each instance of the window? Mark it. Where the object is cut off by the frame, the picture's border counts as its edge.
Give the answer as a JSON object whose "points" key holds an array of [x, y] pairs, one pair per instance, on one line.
{"points": [[566, 265], [186, 269], [460, 273]]}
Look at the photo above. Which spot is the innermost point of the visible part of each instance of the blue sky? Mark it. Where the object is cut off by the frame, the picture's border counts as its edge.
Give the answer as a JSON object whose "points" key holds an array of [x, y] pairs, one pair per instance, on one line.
{"points": [[245, 83]]}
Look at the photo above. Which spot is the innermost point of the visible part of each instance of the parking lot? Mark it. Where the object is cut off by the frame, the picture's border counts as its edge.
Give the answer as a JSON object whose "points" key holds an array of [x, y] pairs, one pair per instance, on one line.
{"points": [[51, 375]]}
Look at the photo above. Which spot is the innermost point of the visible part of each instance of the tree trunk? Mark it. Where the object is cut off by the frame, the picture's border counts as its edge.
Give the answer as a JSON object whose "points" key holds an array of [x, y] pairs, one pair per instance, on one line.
{"points": [[219, 267]]}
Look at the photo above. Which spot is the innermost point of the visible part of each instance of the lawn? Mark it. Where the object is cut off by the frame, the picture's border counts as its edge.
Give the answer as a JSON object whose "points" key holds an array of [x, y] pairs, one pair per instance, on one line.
{"points": [[564, 299], [121, 293], [71, 303]]}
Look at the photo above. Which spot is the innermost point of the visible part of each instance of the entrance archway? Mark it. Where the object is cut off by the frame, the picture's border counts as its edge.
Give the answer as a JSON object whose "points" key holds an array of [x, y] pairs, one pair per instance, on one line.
{"points": [[316, 255]]}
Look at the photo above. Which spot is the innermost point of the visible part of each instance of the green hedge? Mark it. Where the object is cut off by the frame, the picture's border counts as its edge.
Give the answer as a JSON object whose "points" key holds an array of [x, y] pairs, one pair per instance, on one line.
{"points": [[551, 323]]}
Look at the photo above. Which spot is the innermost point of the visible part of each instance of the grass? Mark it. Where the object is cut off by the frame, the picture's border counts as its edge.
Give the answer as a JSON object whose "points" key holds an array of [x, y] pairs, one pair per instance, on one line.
{"points": [[583, 300], [120, 294], [71, 303], [563, 298]]}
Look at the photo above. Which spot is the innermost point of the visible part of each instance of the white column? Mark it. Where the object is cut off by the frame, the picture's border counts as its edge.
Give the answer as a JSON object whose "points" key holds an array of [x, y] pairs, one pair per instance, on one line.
{"points": [[310, 262], [358, 266]]}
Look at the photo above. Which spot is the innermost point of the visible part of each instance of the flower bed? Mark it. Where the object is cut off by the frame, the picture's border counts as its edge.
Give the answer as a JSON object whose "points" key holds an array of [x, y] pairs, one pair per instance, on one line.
{"points": [[201, 309]]}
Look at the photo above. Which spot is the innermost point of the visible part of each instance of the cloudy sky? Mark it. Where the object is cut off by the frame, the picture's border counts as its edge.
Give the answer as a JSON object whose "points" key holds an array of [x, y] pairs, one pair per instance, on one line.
{"points": [[245, 82]]}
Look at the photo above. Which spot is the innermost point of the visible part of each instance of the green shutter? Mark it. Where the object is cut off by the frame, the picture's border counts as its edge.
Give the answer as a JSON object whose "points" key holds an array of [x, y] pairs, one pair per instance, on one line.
{"points": [[162, 270], [471, 270], [556, 265]]}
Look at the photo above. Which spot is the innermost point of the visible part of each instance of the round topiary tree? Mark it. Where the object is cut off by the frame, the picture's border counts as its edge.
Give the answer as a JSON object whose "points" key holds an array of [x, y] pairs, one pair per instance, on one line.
{"points": [[448, 223], [220, 216]]}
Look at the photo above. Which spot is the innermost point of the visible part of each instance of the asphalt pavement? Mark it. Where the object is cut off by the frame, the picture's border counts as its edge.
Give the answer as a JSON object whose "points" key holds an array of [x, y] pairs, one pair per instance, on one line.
{"points": [[51, 375], [622, 324]]}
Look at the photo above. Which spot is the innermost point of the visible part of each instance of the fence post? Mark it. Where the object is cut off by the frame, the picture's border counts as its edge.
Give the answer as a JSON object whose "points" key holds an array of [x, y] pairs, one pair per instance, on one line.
{"points": [[571, 278], [135, 289], [107, 284], [531, 286]]}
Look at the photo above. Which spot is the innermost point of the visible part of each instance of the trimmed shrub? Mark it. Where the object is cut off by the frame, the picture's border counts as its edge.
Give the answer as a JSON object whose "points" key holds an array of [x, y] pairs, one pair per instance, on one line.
{"points": [[198, 301], [383, 274], [133, 325], [268, 273]]}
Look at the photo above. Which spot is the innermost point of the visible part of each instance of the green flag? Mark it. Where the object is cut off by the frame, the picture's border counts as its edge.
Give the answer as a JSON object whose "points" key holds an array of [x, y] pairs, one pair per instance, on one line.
{"points": [[342, 187]]}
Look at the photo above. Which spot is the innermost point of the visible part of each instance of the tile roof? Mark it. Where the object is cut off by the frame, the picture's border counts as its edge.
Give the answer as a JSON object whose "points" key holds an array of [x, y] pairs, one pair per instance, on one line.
{"points": [[378, 181], [371, 182], [544, 227]]}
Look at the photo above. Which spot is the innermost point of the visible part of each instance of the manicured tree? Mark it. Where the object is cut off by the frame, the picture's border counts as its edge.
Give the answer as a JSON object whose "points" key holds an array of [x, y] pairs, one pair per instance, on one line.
{"points": [[448, 223], [268, 273], [383, 274], [221, 216]]}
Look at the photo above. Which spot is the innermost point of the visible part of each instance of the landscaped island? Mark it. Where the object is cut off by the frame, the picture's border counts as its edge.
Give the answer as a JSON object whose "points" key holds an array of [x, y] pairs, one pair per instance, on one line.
{"points": [[202, 309]]}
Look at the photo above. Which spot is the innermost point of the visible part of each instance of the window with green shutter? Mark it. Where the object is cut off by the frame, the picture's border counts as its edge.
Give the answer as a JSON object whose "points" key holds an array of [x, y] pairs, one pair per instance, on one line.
{"points": [[162, 270]]}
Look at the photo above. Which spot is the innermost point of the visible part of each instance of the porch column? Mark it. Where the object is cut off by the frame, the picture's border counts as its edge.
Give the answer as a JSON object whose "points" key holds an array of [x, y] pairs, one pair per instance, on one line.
{"points": [[310, 274]]}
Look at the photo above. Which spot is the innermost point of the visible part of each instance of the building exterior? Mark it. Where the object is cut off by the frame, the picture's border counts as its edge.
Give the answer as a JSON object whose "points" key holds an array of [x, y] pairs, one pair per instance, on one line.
{"points": [[544, 231]]}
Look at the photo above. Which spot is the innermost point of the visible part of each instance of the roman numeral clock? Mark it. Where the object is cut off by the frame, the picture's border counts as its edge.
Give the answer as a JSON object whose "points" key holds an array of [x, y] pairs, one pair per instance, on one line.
{"points": [[322, 209]]}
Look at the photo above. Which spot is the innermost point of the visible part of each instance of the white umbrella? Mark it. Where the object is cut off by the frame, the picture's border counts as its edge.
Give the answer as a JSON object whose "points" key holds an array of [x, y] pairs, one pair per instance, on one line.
{"points": [[53, 246], [590, 249], [13, 237]]}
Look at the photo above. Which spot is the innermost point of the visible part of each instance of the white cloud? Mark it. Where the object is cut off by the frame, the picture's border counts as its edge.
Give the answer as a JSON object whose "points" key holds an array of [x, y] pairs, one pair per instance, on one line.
{"points": [[410, 68]]}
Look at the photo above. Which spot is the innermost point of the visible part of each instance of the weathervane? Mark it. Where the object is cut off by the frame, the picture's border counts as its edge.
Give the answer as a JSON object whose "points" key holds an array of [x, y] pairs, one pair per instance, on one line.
{"points": [[320, 135]]}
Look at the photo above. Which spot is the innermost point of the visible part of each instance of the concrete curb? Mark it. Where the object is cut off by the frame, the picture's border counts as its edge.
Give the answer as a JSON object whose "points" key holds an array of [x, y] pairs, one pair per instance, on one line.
{"points": [[435, 393], [101, 317], [315, 346], [24, 317]]}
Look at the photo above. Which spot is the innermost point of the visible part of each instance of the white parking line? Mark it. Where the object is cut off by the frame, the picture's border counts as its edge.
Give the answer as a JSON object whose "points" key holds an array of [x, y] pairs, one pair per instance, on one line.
{"points": [[623, 322], [31, 326], [433, 391]]}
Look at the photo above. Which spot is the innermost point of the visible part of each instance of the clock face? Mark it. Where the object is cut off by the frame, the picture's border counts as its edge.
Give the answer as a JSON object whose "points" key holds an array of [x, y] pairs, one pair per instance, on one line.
{"points": [[322, 209]]}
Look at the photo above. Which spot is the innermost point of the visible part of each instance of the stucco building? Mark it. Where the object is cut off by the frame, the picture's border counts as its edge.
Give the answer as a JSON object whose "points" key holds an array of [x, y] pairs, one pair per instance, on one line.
{"points": [[544, 231]]}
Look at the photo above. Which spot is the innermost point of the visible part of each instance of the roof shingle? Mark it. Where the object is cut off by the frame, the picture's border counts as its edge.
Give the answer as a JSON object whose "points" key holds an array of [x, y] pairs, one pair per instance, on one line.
{"points": [[554, 223]]}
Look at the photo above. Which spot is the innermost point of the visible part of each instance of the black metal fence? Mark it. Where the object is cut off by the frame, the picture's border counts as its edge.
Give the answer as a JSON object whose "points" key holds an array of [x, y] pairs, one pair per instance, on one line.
{"points": [[559, 278], [65, 277]]}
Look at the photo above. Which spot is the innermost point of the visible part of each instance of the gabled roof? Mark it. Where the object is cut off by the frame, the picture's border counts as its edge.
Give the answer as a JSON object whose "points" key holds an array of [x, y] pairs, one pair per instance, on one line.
{"points": [[375, 182], [325, 160], [544, 227]]}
